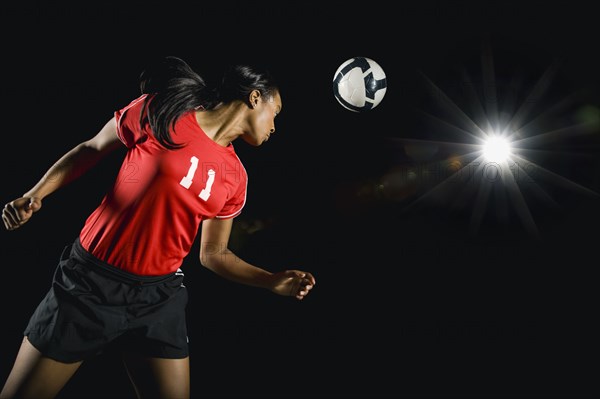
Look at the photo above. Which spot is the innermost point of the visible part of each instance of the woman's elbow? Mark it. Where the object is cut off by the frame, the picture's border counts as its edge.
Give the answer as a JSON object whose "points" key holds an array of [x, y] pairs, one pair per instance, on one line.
{"points": [[207, 259]]}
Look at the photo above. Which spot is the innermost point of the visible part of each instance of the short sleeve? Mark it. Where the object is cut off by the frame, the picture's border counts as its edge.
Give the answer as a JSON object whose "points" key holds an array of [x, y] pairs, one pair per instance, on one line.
{"points": [[233, 206], [128, 123]]}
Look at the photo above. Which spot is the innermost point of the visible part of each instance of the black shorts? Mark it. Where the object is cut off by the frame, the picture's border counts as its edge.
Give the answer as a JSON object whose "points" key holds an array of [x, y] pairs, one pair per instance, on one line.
{"points": [[92, 304]]}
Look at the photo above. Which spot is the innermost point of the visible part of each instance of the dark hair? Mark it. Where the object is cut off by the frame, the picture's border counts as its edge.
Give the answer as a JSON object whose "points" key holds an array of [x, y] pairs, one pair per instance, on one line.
{"points": [[174, 88]]}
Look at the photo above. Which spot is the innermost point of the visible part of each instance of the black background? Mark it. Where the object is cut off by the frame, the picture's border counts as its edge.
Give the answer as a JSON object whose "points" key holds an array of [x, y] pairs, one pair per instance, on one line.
{"points": [[409, 301]]}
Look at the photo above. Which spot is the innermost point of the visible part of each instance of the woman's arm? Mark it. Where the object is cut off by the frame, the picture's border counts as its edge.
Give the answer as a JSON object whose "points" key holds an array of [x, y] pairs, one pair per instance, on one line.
{"points": [[215, 255], [68, 168]]}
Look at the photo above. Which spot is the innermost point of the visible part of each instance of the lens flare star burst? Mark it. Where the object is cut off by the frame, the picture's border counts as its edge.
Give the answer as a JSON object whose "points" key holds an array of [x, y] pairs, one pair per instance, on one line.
{"points": [[496, 148]]}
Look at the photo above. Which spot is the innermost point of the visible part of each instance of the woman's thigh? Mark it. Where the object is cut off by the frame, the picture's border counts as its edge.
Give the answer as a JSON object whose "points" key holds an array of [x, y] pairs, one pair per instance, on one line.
{"points": [[36, 376], [159, 377]]}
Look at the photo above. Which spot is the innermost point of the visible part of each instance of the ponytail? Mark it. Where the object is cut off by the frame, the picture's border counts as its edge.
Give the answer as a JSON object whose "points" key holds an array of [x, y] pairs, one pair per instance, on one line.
{"points": [[173, 88]]}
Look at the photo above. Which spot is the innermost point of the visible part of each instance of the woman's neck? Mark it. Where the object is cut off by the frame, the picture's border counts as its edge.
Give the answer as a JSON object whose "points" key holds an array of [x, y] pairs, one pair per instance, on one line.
{"points": [[224, 123]]}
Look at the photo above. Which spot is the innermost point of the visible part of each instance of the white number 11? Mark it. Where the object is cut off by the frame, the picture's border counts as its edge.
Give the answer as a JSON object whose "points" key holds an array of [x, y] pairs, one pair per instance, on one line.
{"points": [[187, 180]]}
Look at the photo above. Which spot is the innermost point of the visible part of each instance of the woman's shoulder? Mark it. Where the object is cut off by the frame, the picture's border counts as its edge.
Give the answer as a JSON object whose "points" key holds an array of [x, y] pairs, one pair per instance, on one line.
{"points": [[133, 106]]}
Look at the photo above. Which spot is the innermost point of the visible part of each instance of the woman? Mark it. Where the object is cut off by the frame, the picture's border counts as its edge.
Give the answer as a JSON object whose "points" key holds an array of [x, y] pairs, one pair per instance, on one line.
{"points": [[120, 281]]}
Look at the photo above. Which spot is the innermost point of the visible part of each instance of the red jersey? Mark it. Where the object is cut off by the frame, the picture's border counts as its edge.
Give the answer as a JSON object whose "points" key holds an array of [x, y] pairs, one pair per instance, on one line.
{"points": [[147, 222]]}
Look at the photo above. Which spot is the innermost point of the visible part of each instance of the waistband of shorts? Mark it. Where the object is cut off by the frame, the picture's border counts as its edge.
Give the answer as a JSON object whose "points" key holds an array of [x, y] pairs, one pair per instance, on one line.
{"points": [[77, 251]]}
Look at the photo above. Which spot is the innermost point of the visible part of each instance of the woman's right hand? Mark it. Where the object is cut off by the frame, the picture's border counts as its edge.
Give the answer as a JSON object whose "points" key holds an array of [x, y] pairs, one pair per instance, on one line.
{"points": [[17, 212]]}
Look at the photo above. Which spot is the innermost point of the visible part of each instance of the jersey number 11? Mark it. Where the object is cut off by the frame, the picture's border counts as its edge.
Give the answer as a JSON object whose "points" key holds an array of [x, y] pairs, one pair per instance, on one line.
{"points": [[187, 180]]}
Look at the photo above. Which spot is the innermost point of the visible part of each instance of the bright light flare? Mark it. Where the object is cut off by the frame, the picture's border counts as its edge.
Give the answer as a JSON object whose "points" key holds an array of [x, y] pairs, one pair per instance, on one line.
{"points": [[515, 134], [496, 149]]}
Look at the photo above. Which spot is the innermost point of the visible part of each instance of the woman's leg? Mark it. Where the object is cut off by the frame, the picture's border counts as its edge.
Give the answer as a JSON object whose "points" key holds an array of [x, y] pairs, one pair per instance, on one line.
{"points": [[159, 378], [36, 376]]}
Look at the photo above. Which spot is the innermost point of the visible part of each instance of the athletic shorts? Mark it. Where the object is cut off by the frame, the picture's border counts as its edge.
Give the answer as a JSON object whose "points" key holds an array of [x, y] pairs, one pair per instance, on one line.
{"points": [[93, 304]]}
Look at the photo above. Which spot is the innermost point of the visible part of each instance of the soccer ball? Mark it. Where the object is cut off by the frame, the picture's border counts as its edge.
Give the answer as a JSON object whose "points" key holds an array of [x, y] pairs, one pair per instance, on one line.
{"points": [[359, 84]]}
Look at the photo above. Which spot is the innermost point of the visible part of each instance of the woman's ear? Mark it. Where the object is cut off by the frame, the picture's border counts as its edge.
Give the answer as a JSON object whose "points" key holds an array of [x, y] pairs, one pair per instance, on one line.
{"points": [[254, 98]]}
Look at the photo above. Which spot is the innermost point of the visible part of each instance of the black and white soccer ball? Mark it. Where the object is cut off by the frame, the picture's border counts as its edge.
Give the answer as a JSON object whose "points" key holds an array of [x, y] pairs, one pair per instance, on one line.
{"points": [[359, 84]]}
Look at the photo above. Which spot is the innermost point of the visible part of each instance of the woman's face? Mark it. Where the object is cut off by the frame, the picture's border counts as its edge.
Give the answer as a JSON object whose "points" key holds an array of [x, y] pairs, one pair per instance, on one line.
{"points": [[262, 119]]}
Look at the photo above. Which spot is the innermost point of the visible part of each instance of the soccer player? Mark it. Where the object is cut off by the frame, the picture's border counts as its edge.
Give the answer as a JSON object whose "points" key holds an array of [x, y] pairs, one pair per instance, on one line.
{"points": [[119, 281]]}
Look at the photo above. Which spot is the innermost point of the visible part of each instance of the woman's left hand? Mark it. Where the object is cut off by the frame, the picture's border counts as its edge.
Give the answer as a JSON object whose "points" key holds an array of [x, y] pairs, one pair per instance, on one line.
{"points": [[293, 283]]}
